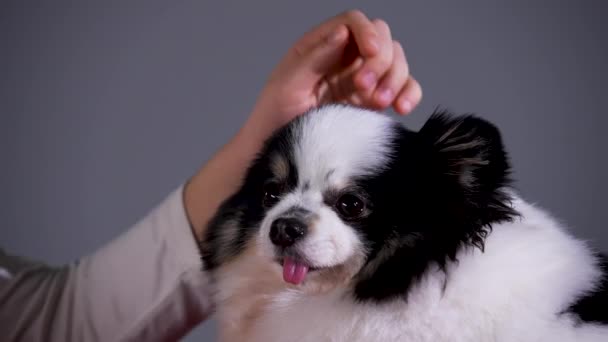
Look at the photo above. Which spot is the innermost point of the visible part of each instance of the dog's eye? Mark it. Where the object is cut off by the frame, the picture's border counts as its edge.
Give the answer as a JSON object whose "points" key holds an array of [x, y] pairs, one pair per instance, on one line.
{"points": [[350, 206], [272, 191]]}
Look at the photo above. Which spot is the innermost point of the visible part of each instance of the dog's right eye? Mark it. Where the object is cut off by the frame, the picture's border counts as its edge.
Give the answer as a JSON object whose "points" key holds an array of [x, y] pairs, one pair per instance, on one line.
{"points": [[350, 206], [272, 191]]}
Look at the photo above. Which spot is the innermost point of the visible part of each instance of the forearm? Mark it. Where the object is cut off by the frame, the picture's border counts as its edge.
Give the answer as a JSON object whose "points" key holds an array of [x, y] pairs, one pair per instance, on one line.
{"points": [[146, 285]]}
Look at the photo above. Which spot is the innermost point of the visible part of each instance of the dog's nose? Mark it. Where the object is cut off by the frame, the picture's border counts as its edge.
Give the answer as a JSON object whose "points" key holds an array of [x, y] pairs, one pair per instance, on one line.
{"points": [[284, 232]]}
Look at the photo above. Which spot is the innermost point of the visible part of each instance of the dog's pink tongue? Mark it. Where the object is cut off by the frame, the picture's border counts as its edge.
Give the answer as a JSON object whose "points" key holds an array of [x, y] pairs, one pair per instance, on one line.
{"points": [[294, 272]]}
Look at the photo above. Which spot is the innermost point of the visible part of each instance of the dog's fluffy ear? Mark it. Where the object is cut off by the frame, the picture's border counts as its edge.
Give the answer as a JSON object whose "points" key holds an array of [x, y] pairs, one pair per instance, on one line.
{"points": [[469, 148], [469, 156]]}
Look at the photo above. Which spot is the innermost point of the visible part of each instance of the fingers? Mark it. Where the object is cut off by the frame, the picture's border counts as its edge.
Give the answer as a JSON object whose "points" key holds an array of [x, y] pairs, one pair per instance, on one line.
{"points": [[364, 32], [409, 97], [384, 79], [376, 66], [341, 85], [394, 80], [361, 28], [319, 51], [357, 59], [323, 57]]}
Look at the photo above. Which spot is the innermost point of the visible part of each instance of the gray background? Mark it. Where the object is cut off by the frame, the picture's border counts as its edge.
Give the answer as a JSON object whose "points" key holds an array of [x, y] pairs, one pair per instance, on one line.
{"points": [[106, 107]]}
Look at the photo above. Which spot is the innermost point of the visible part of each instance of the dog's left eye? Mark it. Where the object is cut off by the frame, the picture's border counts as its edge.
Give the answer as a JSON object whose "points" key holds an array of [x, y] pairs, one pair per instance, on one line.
{"points": [[350, 206], [272, 191]]}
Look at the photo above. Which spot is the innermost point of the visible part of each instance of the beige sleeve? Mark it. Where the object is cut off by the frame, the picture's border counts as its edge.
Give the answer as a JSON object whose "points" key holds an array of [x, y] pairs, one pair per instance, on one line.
{"points": [[146, 285]]}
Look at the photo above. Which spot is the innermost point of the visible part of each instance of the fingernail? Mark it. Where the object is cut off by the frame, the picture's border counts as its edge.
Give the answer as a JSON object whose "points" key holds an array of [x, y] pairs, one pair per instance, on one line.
{"points": [[368, 79], [405, 105], [385, 95]]}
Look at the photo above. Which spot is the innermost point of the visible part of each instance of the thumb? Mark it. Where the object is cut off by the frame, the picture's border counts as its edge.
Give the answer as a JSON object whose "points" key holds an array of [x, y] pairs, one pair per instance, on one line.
{"points": [[322, 58]]}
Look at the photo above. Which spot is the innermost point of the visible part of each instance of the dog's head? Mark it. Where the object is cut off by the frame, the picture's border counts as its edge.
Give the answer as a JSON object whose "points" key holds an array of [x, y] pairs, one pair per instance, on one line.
{"points": [[348, 197]]}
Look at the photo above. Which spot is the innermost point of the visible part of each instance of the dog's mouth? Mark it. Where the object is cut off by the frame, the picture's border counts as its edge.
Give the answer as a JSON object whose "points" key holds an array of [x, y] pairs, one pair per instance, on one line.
{"points": [[295, 269]]}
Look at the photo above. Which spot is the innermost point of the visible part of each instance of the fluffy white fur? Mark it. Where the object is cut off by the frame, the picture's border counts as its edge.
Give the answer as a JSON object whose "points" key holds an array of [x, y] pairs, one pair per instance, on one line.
{"points": [[510, 292], [499, 295], [322, 149]]}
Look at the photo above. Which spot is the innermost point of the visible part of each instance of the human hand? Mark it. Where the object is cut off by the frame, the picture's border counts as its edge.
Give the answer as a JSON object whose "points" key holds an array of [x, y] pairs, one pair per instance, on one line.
{"points": [[331, 63], [348, 59]]}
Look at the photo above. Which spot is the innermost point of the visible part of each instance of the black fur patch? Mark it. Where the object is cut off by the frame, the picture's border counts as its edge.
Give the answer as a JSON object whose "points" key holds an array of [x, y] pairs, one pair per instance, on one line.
{"points": [[442, 192], [593, 307]]}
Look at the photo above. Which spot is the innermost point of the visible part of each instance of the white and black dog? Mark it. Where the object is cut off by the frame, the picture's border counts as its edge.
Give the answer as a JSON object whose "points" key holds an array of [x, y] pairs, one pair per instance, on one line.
{"points": [[350, 227]]}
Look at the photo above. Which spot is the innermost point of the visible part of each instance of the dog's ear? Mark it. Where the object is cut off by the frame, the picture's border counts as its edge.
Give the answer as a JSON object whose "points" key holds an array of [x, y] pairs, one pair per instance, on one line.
{"points": [[468, 149], [467, 154]]}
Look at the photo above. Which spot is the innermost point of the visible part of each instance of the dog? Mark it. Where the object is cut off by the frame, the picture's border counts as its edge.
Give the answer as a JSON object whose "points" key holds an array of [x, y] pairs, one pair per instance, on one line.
{"points": [[350, 227]]}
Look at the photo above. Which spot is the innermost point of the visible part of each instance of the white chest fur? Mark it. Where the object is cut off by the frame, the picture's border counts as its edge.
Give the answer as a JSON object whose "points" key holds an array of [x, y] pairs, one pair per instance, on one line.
{"points": [[531, 270], [293, 316]]}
